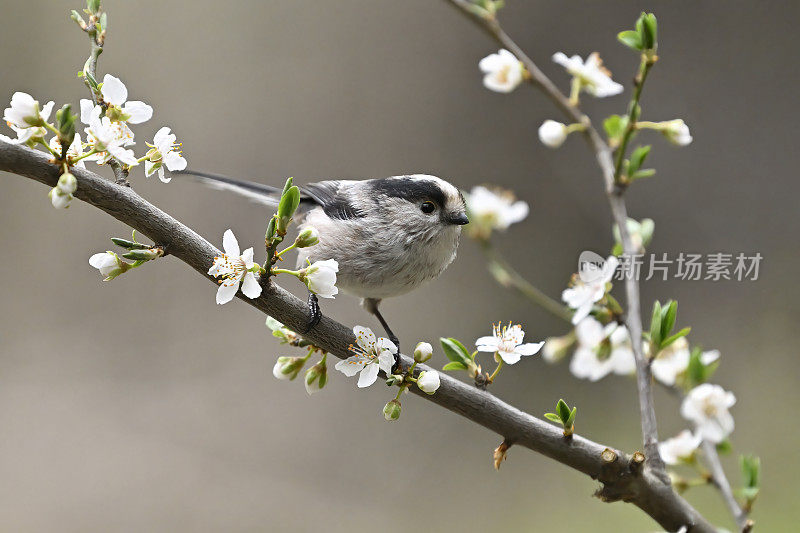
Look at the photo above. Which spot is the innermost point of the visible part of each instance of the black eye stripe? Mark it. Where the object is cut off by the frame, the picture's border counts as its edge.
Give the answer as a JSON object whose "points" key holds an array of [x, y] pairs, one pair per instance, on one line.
{"points": [[410, 189]]}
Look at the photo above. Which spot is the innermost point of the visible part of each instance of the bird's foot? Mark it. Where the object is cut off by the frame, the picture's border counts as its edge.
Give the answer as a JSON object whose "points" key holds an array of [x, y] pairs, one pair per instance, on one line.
{"points": [[314, 313]]}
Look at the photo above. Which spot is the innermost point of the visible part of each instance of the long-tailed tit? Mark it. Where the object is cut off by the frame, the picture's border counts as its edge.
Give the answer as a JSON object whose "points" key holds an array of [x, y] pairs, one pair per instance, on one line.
{"points": [[389, 235]]}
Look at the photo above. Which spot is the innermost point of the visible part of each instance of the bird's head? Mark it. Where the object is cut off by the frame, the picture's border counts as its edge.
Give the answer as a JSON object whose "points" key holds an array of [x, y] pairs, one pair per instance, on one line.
{"points": [[423, 204]]}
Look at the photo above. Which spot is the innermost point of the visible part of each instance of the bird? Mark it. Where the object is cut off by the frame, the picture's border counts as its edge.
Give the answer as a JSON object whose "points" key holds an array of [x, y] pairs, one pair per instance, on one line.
{"points": [[389, 235]]}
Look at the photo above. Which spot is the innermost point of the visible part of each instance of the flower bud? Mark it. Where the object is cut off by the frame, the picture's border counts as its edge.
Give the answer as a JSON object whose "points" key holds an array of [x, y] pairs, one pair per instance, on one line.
{"points": [[308, 237], [552, 133], [423, 352], [109, 264], [677, 132], [67, 184], [556, 348], [428, 381], [146, 254], [65, 124], [319, 374], [59, 199], [286, 208], [391, 411], [288, 367]]}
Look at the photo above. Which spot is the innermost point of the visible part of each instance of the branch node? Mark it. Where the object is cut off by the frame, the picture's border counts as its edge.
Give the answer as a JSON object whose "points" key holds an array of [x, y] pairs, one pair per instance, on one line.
{"points": [[609, 456], [637, 462]]}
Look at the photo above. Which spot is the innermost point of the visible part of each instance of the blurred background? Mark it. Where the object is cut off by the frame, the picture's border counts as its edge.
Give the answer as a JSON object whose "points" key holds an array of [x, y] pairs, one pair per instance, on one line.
{"points": [[141, 405]]}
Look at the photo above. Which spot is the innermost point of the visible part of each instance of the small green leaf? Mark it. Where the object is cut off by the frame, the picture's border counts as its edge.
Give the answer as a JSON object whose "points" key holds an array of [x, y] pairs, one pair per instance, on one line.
{"points": [[670, 340], [103, 22], [454, 365], [668, 316], [571, 420], [455, 351], [563, 411], [637, 158], [645, 173], [631, 39], [649, 31], [617, 249], [655, 325], [725, 447], [553, 418], [615, 126]]}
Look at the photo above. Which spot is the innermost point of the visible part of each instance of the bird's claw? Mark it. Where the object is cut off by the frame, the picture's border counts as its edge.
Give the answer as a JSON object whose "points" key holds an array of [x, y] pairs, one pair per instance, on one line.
{"points": [[396, 365], [314, 313]]}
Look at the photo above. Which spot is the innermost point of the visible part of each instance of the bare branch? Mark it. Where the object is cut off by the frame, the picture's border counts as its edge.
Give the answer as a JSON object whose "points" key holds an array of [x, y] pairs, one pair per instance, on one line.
{"points": [[616, 200], [622, 480]]}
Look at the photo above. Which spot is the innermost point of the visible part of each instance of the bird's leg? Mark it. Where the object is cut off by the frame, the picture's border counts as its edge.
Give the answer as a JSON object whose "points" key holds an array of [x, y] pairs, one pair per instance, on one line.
{"points": [[371, 305], [314, 313]]}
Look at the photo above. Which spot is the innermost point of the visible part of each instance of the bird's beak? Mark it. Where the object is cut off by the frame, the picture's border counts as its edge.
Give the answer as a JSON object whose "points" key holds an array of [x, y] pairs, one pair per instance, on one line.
{"points": [[458, 218]]}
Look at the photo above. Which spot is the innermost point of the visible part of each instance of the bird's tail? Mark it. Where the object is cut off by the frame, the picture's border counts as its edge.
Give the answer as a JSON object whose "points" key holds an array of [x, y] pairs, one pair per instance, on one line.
{"points": [[256, 192]]}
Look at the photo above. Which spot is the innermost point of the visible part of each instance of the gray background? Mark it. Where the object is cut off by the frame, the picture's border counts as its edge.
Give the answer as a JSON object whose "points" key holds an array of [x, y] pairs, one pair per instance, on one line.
{"points": [[141, 405]]}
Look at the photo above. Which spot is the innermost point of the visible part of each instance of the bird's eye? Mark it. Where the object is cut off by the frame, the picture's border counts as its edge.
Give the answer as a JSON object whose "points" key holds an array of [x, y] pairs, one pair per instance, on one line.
{"points": [[427, 207]]}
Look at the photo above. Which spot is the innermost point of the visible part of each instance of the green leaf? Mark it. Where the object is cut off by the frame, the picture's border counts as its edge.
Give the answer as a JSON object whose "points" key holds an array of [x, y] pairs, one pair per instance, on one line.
{"points": [[462, 348], [563, 410], [655, 325], [725, 447], [695, 372], [287, 186], [751, 466], [572, 415], [649, 31], [454, 365], [670, 340], [631, 39], [615, 126], [668, 316], [553, 417], [455, 351], [637, 158], [645, 173], [617, 249], [103, 22]]}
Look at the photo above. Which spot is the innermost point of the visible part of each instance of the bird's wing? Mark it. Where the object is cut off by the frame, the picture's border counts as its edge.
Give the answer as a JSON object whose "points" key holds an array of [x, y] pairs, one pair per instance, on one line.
{"points": [[334, 198]]}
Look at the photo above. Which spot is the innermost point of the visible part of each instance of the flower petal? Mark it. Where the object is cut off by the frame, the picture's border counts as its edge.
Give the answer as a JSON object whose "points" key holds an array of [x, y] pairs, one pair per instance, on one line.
{"points": [[352, 365], [368, 375], [531, 348], [250, 286], [230, 244], [139, 111], [225, 293], [113, 90]]}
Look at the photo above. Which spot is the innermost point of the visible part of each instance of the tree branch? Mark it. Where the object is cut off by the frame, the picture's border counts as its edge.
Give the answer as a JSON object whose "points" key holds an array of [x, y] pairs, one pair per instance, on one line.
{"points": [[623, 478], [619, 212]]}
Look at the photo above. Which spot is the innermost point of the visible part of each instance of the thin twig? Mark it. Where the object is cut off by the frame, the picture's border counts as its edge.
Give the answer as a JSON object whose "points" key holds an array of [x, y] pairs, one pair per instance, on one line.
{"points": [[720, 481], [616, 200], [95, 49], [508, 277], [638, 486]]}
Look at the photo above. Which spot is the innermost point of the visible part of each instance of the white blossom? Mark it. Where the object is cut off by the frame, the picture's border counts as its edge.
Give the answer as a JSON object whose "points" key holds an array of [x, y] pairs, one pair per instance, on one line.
{"points": [[555, 348], [503, 71], [320, 278], [234, 268], [422, 352], [109, 137], [589, 287], [671, 362], [552, 133], [24, 112], [61, 194], [601, 350], [679, 448], [493, 210], [506, 342], [594, 78], [677, 132], [109, 264], [428, 381], [707, 406], [371, 355], [165, 153], [115, 94]]}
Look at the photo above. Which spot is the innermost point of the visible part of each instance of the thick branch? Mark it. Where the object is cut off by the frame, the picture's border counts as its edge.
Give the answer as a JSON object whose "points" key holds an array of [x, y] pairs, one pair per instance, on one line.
{"points": [[623, 479], [619, 212]]}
